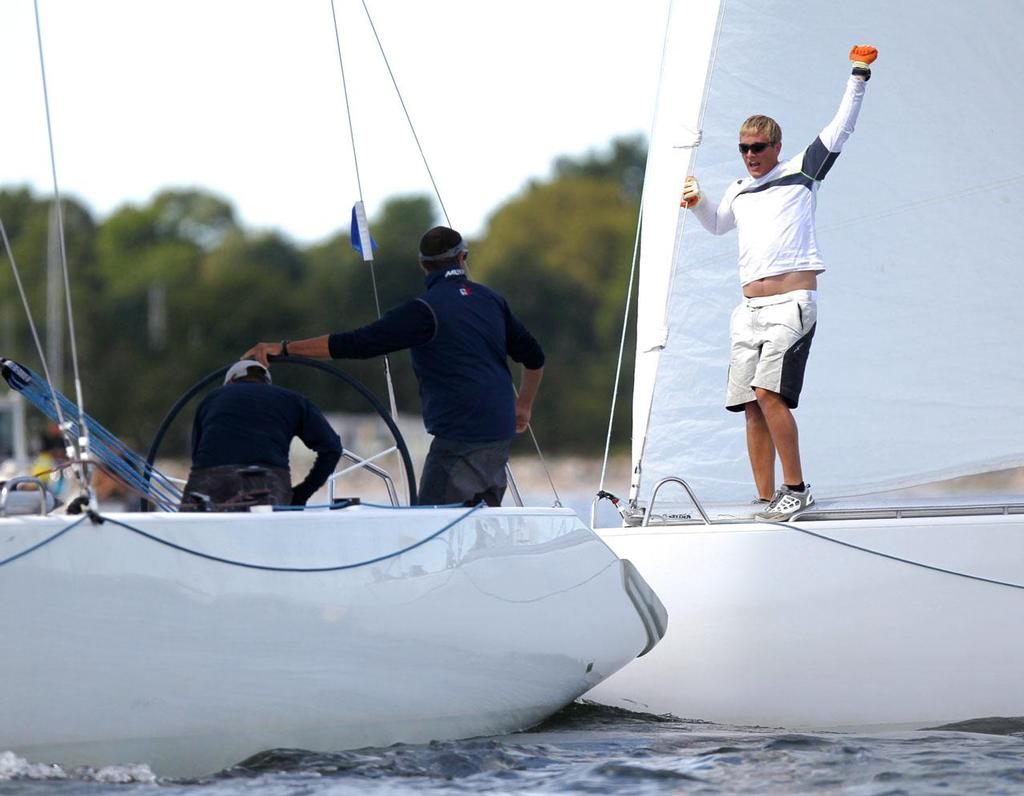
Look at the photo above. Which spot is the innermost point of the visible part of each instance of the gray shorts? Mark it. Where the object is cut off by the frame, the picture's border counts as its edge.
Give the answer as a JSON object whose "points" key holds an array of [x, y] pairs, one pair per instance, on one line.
{"points": [[464, 472], [770, 340]]}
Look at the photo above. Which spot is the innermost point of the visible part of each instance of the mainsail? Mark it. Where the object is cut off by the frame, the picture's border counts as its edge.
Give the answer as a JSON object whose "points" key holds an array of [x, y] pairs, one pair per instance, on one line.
{"points": [[917, 371]]}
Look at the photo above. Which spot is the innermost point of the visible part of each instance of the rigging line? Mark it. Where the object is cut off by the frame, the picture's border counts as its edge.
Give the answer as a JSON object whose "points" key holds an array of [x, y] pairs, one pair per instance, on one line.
{"points": [[44, 542], [543, 463], [633, 264], [408, 118], [83, 439], [31, 322], [892, 557], [387, 360], [106, 448], [622, 342], [359, 185], [348, 109], [128, 478], [268, 568], [919, 204]]}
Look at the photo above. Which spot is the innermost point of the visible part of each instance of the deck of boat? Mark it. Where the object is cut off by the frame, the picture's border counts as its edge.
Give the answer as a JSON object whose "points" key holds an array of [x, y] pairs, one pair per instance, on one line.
{"points": [[865, 507]]}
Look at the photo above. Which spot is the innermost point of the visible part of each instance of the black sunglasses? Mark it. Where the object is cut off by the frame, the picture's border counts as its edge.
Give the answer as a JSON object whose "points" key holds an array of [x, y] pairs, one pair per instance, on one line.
{"points": [[757, 148]]}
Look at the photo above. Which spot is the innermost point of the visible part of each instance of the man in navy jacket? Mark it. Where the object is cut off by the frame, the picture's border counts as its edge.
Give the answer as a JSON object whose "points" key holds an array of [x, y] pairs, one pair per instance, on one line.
{"points": [[460, 334], [240, 440]]}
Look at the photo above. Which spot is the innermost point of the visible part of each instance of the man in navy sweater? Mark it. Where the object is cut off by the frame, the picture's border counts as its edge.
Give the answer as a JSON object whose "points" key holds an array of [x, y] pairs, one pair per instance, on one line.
{"points": [[240, 440], [460, 334]]}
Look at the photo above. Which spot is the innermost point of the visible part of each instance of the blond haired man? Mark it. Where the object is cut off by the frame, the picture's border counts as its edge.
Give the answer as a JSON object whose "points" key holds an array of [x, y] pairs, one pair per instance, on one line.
{"points": [[779, 262]]}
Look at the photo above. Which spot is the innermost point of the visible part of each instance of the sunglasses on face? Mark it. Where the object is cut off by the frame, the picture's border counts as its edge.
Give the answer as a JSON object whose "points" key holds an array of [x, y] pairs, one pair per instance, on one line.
{"points": [[757, 148]]}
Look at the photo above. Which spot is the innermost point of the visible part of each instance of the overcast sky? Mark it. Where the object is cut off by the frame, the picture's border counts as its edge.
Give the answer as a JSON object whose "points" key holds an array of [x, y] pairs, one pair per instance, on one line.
{"points": [[244, 98]]}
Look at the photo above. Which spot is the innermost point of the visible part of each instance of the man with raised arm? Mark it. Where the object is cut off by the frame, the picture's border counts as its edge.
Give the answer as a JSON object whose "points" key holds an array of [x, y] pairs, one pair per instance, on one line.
{"points": [[460, 334], [772, 328]]}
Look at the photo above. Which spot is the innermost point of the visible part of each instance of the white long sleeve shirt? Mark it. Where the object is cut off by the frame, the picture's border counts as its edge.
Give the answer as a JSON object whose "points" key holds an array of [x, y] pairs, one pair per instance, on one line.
{"points": [[774, 214]]}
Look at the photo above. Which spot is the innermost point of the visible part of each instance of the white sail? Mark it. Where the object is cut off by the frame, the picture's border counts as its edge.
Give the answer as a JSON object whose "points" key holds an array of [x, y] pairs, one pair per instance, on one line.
{"points": [[916, 370], [675, 136]]}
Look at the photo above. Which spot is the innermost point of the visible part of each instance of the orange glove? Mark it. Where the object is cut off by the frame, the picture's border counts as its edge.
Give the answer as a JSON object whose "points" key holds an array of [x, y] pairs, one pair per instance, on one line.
{"points": [[863, 55], [691, 193]]}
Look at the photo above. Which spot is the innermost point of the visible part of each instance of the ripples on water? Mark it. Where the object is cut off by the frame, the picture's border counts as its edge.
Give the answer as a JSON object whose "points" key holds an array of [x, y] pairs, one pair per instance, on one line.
{"points": [[592, 749]]}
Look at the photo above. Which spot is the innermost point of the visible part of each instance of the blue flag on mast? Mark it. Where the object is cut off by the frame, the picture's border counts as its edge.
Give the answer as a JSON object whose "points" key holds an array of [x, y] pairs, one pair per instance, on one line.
{"points": [[362, 241]]}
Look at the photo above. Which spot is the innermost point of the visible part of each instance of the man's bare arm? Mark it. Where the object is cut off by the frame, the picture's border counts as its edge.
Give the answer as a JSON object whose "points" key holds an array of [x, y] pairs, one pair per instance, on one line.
{"points": [[527, 393]]}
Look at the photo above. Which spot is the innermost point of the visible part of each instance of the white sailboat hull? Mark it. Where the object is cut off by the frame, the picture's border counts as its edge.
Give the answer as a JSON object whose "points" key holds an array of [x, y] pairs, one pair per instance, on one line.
{"points": [[120, 649], [771, 626]]}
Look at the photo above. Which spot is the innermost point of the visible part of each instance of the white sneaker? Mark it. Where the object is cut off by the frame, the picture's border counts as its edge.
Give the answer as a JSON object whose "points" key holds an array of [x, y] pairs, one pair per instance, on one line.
{"points": [[786, 503]]}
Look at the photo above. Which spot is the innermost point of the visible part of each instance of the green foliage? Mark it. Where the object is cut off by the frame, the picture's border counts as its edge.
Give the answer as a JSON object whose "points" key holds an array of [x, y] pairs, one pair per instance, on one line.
{"points": [[623, 165], [199, 218], [167, 292], [27, 222]]}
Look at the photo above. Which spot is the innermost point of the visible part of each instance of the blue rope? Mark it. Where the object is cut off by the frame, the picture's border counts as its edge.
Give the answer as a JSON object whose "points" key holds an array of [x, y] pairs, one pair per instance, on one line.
{"points": [[420, 507], [45, 542], [345, 505], [113, 454], [336, 568], [243, 564]]}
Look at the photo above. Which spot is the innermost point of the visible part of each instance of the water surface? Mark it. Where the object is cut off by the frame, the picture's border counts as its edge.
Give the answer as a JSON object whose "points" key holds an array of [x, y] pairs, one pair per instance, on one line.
{"points": [[594, 749]]}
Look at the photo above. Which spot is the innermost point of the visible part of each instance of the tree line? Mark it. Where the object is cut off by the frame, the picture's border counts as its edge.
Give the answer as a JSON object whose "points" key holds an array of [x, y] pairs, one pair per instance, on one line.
{"points": [[168, 292]]}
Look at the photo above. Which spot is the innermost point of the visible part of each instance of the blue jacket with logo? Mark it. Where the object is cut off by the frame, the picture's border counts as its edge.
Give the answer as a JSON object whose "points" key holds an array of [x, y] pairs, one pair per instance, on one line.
{"points": [[460, 334]]}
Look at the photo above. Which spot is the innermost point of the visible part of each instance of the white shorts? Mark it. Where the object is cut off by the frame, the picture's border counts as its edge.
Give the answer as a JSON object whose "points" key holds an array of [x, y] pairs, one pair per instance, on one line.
{"points": [[770, 340]]}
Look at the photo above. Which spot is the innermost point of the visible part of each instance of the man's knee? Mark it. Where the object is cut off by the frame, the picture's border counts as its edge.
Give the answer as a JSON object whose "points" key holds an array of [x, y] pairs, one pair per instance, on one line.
{"points": [[773, 406], [767, 397]]}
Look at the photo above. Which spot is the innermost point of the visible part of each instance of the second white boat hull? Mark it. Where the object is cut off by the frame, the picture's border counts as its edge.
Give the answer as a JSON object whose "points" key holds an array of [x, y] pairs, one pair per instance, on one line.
{"points": [[775, 627]]}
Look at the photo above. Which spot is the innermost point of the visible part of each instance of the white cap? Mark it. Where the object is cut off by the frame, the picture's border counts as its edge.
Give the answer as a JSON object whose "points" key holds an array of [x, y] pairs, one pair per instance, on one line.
{"points": [[241, 369]]}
